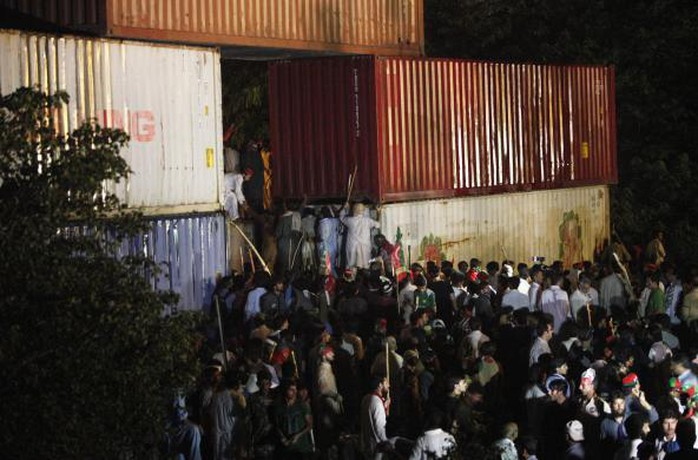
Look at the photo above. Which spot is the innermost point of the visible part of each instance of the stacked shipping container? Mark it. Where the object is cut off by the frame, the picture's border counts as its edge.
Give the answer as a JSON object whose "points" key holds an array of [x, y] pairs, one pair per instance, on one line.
{"points": [[436, 128], [335, 26], [419, 130], [168, 100]]}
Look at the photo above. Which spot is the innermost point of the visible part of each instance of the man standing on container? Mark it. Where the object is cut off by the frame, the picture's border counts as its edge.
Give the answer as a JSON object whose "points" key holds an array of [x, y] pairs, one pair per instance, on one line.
{"points": [[234, 198], [358, 236]]}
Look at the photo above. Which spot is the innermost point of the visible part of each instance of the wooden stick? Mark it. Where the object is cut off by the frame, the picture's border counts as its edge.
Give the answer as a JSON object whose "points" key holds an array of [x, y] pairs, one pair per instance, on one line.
{"points": [[350, 187], [242, 260], [220, 332], [387, 361], [295, 253], [589, 315], [295, 364], [256, 253], [249, 251]]}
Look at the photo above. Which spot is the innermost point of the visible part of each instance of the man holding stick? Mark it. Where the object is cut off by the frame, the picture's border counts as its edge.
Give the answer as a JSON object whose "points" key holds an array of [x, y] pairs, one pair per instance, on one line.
{"points": [[374, 414]]}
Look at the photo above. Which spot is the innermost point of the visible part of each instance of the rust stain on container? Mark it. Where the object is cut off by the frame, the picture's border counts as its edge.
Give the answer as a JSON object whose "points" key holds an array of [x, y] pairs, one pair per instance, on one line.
{"points": [[434, 128], [336, 26]]}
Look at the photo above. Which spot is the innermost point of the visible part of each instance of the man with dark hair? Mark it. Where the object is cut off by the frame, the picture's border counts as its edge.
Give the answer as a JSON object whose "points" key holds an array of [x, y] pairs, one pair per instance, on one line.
{"points": [[558, 411], [544, 332], [667, 441], [686, 435], [374, 416], [512, 296], [524, 283], [637, 428], [535, 292]]}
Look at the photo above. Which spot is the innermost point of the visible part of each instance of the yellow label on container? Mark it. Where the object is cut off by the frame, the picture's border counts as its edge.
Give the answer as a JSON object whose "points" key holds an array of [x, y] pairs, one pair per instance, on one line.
{"points": [[585, 150], [209, 157]]}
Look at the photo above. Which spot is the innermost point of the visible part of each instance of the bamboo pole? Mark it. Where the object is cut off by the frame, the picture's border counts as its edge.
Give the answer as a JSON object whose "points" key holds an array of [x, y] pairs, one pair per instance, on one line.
{"points": [[249, 252], [220, 332], [254, 249]]}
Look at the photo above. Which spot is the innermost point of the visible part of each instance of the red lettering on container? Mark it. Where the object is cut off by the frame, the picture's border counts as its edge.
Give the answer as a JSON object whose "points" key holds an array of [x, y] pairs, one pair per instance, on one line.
{"points": [[141, 123]]}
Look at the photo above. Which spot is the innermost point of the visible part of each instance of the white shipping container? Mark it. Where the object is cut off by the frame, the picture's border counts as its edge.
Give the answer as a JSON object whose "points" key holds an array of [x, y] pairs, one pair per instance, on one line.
{"points": [[166, 97], [561, 224]]}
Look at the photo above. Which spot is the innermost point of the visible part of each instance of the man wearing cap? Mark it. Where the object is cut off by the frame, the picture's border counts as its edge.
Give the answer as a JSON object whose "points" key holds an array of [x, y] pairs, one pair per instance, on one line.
{"points": [[575, 436], [233, 197], [635, 401], [592, 410]]}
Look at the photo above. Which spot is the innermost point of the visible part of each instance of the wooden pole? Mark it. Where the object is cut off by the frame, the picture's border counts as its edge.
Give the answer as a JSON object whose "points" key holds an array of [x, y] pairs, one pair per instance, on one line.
{"points": [[242, 260], [254, 250], [387, 361], [220, 332], [589, 315], [249, 252]]}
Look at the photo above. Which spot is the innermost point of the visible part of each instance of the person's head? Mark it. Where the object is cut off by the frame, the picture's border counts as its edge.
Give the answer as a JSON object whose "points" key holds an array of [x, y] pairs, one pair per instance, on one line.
{"points": [[522, 268], [421, 283], [636, 426], [658, 234], [559, 366], [668, 421], [475, 394], [618, 404], [575, 431], [631, 384], [544, 330], [510, 430], [528, 447], [379, 240], [513, 283], [247, 174], [462, 266], [379, 385], [586, 383], [277, 283], [456, 385], [686, 433], [680, 363], [488, 349], [537, 274], [492, 267], [558, 391], [358, 209], [327, 354], [290, 391], [584, 284]]}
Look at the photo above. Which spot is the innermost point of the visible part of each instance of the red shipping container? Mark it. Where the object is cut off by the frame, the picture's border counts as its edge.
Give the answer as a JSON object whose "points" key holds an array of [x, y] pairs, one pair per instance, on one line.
{"points": [[421, 128]]}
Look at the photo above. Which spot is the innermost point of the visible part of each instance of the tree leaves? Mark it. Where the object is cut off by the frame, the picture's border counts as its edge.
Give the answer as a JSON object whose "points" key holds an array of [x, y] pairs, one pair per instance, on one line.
{"points": [[88, 363]]}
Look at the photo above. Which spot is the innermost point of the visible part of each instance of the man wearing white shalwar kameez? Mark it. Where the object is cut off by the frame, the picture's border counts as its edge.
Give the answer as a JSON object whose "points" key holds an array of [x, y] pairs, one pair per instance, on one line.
{"points": [[358, 237]]}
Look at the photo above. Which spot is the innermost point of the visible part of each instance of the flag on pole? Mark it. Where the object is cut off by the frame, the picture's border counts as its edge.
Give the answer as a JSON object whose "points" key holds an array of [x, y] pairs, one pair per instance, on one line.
{"points": [[397, 257]]}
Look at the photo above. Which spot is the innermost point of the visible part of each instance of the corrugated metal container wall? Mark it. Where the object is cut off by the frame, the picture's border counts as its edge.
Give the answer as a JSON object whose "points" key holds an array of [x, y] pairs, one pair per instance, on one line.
{"points": [[341, 26], [191, 252], [433, 128], [565, 224], [166, 98], [322, 125]]}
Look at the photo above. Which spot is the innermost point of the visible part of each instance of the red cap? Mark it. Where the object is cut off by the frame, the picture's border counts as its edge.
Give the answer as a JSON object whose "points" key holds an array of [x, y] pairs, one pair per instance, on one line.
{"points": [[630, 380]]}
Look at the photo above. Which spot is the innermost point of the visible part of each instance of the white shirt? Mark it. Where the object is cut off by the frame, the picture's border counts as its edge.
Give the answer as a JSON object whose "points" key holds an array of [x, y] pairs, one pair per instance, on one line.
{"points": [[433, 444], [252, 307], [516, 299], [373, 422], [556, 302], [538, 348], [579, 299], [232, 195], [524, 286], [533, 296]]}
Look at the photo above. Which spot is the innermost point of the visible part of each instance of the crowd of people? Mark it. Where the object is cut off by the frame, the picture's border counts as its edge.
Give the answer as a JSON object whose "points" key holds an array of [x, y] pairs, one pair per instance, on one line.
{"points": [[344, 356]]}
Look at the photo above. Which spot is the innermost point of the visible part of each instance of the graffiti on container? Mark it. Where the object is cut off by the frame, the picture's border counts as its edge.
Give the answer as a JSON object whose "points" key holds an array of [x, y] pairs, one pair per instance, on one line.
{"points": [[570, 232], [140, 124], [430, 249]]}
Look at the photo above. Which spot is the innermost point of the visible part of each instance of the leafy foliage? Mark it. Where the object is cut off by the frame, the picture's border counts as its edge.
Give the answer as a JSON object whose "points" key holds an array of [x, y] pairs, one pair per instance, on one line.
{"points": [[652, 44], [88, 363], [245, 101]]}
